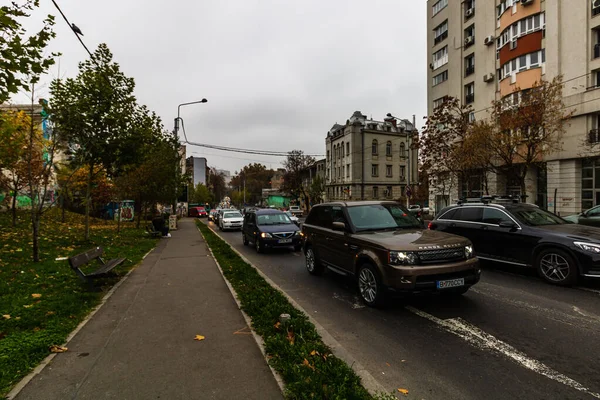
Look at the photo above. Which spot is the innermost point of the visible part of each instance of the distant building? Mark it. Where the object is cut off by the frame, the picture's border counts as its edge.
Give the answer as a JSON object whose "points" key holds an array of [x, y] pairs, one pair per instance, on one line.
{"points": [[196, 166], [308, 177], [370, 160], [226, 176], [277, 179]]}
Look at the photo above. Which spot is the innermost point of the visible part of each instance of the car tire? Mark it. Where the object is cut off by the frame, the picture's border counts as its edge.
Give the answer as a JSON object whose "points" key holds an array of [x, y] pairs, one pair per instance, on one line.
{"points": [[370, 288], [556, 266], [455, 292], [244, 239], [313, 265], [258, 246]]}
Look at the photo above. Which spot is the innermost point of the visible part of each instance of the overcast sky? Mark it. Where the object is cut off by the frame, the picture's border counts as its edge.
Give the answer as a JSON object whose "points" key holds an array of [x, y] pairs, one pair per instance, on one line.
{"points": [[277, 73]]}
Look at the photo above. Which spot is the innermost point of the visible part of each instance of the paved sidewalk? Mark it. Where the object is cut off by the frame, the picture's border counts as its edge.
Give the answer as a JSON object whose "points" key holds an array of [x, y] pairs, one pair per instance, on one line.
{"points": [[140, 344]]}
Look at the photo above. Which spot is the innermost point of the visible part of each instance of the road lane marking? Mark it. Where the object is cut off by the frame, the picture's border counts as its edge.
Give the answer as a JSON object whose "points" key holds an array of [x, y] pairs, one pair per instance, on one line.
{"points": [[484, 341]]}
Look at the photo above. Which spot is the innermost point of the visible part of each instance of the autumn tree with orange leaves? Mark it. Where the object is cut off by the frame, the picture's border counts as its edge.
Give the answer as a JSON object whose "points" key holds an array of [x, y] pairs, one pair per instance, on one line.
{"points": [[524, 128]]}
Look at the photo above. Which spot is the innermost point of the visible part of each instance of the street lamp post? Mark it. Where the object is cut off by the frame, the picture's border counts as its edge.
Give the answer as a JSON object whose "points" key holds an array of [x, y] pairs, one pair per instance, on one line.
{"points": [[176, 137]]}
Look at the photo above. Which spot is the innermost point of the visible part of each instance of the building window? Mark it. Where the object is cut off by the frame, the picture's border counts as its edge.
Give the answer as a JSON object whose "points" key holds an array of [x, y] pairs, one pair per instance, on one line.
{"points": [[342, 172], [402, 172], [343, 149], [347, 170], [388, 171], [523, 63], [439, 6], [440, 57], [348, 148], [328, 158], [389, 192], [520, 28], [402, 150], [388, 149], [469, 93], [374, 170], [375, 192], [440, 32], [439, 78], [470, 36], [472, 116], [469, 64], [439, 102], [469, 8], [374, 149]]}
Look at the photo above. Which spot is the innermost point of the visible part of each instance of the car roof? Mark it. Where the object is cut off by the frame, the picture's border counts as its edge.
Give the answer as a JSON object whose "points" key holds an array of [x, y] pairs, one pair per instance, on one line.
{"points": [[262, 211], [358, 203]]}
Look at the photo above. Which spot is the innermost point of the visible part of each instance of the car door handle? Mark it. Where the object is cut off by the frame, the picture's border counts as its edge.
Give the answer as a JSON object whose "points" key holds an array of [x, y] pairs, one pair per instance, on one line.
{"points": [[351, 246]]}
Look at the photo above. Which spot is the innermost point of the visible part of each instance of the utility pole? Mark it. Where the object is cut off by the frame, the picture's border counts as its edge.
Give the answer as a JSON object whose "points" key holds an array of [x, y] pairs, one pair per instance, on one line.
{"points": [[244, 191]]}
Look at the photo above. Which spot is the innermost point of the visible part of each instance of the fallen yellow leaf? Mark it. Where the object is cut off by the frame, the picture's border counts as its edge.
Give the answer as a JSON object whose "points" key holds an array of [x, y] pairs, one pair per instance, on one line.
{"points": [[290, 337], [6, 316], [277, 325], [199, 337], [28, 305], [307, 364], [388, 364], [36, 295], [312, 353], [57, 349], [403, 391]]}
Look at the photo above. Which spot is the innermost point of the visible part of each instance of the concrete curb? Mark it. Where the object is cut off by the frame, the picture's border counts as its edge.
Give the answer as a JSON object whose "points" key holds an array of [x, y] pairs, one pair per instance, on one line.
{"points": [[368, 381], [38, 369], [259, 340]]}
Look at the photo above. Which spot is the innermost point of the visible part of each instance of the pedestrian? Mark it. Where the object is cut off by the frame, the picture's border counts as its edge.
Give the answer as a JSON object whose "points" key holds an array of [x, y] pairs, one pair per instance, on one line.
{"points": [[160, 225]]}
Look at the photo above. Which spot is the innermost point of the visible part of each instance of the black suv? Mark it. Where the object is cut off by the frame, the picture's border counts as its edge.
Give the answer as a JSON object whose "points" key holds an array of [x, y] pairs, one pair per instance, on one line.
{"points": [[384, 247], [267, 228], [525, 235]]}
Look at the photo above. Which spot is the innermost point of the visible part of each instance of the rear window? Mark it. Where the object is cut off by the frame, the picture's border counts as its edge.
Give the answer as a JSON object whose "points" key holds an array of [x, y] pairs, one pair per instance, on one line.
{"points": [[450, 214], [471, 214]]}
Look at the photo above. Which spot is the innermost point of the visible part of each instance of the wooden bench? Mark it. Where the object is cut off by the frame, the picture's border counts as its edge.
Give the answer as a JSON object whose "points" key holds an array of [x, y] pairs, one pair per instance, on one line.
{"points": [[152, 231], [82, 259]]}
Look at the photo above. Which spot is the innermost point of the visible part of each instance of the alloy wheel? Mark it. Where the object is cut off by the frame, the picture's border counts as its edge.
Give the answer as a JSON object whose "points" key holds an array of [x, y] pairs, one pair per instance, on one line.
{"points": [[310, 260], [554, 267], [367, 284]]}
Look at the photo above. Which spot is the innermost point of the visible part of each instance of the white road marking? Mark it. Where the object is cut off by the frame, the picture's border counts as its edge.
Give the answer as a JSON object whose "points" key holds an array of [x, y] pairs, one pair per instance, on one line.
{"points": [[589, 290], [485, 341]]}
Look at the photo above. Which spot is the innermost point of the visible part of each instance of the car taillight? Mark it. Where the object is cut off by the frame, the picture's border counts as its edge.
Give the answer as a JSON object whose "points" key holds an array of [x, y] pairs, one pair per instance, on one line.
{"points": [[430, 226]]}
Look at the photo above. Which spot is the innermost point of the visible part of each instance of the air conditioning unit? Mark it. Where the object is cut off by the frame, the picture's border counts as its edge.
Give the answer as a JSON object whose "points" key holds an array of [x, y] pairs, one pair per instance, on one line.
{"points": [[488, 77], [513, 44], [490, 40], [526, 2], [595, 3], [469, 40], [469, 12]]}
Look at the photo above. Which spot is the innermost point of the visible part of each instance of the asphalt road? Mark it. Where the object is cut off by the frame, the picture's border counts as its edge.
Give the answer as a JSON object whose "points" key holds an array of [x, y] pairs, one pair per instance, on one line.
{"points": [[512, 336]]}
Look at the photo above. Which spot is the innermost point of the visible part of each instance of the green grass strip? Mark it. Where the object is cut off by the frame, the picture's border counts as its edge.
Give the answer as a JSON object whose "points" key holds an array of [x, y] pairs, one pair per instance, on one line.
{"points": [[305, 363]]}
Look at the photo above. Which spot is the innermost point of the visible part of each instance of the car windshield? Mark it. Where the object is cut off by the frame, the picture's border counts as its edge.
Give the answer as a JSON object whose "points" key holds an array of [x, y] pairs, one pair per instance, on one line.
{"points": [[232, 215], [381, 217], [273, 219], [289, 214], [537, 217]]}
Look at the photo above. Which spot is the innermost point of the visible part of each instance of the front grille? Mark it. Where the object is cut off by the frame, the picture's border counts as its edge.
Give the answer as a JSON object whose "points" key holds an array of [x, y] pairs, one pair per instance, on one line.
{"points": [[442, 255], [283, 235]]}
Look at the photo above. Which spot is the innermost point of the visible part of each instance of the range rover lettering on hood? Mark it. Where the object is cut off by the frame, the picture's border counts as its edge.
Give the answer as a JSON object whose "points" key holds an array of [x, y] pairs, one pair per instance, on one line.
{"points": [[445, 246]]}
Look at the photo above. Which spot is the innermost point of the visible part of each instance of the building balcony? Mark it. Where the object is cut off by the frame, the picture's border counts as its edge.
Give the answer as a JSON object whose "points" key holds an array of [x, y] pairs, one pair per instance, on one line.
{"points": [[469, 70], [470, 98], [597, 50], [440, 38]]}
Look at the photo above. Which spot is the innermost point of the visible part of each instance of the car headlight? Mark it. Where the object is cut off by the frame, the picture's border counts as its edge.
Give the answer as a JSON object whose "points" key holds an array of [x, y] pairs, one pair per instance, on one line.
{"points": [[402, 258], [297, 233], [589, 247], [265, 235], [469, 252]]}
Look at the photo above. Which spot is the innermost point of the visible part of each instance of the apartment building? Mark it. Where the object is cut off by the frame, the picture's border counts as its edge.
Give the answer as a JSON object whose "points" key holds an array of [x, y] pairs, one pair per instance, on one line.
{"points": [[481, 51], [370, 160]]}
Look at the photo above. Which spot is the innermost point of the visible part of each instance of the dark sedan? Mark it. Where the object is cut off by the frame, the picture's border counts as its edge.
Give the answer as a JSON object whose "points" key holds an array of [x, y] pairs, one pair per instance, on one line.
{"points": [[525, 235], [269, 228]]}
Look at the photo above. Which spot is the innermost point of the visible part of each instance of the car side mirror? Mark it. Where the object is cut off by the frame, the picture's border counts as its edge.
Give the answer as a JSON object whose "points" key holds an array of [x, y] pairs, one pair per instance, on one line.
{"points": [[338, 226], [507, 224]]}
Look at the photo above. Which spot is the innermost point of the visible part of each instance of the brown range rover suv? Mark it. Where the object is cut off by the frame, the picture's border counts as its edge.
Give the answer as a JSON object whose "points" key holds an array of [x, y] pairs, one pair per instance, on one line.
{"points": [[384, 247]]}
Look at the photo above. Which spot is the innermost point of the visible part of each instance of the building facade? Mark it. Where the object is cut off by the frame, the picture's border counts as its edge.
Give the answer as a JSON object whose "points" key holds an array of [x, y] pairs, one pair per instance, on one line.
{"points": [[196, 167], [370, 160], [481, 52]]}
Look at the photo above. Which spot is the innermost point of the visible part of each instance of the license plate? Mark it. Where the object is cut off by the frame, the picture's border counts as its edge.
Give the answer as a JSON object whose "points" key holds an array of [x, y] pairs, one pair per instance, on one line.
{"points": [[450, 283], [284, 241]]}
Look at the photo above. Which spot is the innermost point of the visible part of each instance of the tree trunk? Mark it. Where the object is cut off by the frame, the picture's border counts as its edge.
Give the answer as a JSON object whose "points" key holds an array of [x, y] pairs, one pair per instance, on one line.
{"points": [[62, 206], [14, 209], [35, 230], [119, 219], [523, 184], [88, 199]]}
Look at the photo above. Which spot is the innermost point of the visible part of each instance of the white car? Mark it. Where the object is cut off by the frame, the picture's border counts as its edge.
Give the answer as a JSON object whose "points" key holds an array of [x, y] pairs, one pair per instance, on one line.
{"points": [[296, 210], [292, 217], [230, 220]]}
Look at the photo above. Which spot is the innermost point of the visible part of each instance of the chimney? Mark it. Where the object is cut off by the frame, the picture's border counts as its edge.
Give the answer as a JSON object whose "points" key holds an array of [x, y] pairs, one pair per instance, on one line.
{"points": [[392, 120]]}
